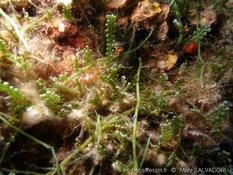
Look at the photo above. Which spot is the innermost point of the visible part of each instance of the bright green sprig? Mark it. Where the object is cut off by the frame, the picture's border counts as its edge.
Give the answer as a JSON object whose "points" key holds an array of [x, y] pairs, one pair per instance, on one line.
{"points": [[111, 25], [3, 47], [41, 85], [88, 56], [23, 63], [170, 129], [180, 10], [218, 116], [180, 7], [19, 61], [4, 51], [67, 12], [166, 133], [17, 101], [51, 99], [154, 104], [200, 33], [11, 91]]}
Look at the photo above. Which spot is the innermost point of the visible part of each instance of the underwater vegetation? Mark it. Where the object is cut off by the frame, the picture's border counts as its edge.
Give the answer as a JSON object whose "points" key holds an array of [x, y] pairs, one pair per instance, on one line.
{"points": [[116, 87]]}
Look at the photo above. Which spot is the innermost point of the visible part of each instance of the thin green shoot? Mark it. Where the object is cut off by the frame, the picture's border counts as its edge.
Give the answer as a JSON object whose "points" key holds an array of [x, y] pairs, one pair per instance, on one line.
{"points": [[171, 3], [141, 44], [202, 75], [145, 152], [6, 148], [135, 124], [92, 170], [180, 27], [98, 130], [132, 38], [198, 42], [34, 139], [66, 161], [16, 28]]}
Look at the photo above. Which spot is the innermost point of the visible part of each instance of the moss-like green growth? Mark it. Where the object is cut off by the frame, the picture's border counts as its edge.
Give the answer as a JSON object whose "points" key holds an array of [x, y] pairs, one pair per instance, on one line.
{"points": [[111, 26], [218, 116], [16, 101], [51, 99], [170, 130]]}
